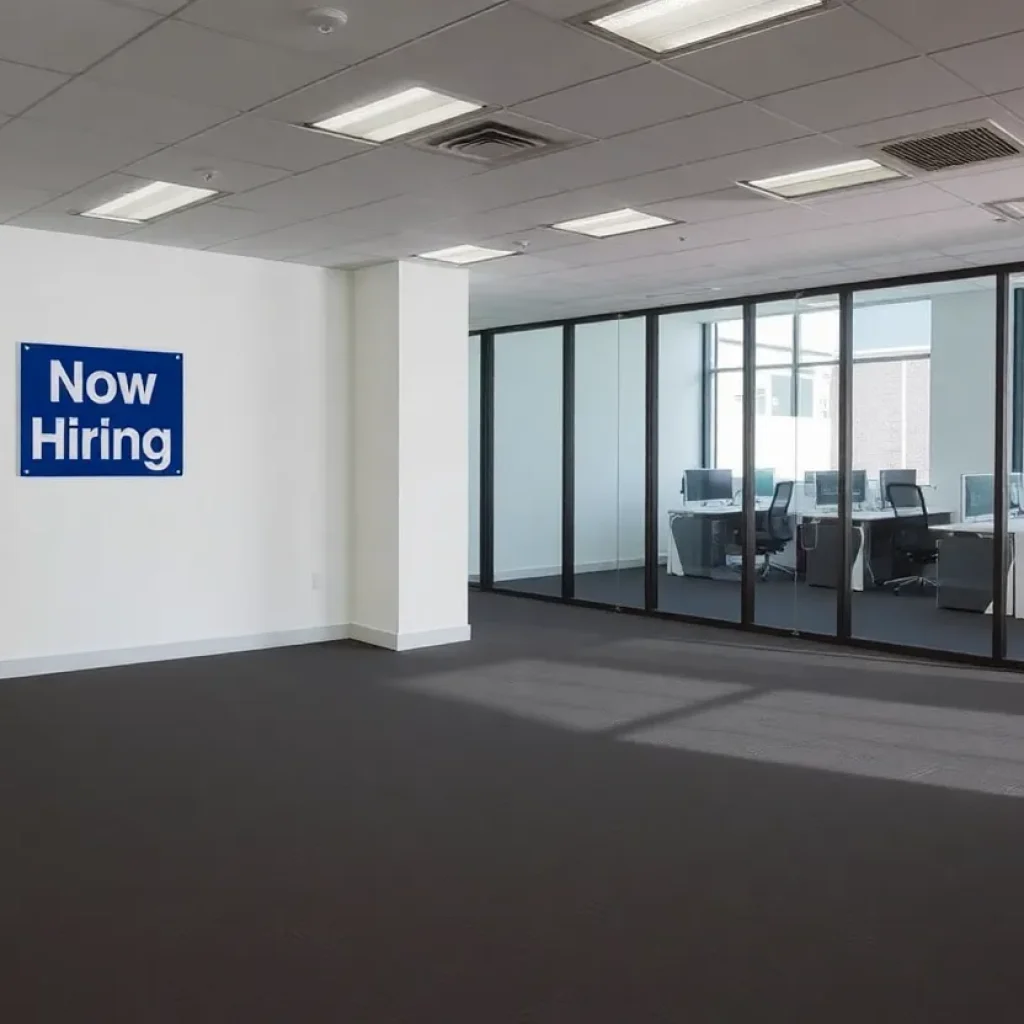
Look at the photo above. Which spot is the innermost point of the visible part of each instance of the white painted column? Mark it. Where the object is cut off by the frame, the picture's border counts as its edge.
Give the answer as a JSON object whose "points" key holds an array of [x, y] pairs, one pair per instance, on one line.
{"points": [[410, 493]]}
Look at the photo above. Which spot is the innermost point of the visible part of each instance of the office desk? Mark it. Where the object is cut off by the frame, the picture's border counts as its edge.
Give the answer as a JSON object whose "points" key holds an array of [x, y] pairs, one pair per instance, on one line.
{"points": [[965, 566], [701, 538], [873, 531]]}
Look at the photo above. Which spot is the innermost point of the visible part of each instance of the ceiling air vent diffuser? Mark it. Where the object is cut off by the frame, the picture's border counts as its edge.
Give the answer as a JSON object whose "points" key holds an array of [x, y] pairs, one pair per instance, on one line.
{"points": [[962, 146], [495, 142]]}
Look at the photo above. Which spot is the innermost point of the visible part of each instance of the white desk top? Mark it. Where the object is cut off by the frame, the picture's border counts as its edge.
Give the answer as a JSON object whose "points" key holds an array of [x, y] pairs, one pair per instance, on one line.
{"points": [[827, 515], [874, 515], [716, 510], [981, 527]]}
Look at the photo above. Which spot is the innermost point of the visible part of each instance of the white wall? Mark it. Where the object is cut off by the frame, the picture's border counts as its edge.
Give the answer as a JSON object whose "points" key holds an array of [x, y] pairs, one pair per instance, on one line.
{"points": [[250, 545], [528, 454], [962, 391], [610, 444], [410, 497]]}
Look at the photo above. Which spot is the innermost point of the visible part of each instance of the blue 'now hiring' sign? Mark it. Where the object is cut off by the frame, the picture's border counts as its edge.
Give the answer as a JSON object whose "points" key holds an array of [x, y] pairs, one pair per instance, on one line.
{"points": [[100, 412]]}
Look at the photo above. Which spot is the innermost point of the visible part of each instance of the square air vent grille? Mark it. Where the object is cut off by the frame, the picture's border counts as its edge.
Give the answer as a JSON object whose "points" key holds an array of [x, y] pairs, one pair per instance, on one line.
{"points": [[493, 142], [954, 147]]}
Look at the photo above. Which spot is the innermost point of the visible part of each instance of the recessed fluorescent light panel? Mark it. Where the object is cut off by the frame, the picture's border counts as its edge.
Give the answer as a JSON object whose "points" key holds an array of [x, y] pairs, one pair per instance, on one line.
{"points": [[1013, 209], [461, 255], [618, 222], [400, 114], [149, 202], [817, 180], [665, 25]]}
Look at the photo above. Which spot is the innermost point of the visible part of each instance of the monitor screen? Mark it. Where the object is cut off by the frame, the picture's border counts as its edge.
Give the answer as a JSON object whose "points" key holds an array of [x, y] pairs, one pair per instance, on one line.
{"points": [[978, 495], [709, 485], [826, 488], [764, 483], [859, 487], [898, 476]]}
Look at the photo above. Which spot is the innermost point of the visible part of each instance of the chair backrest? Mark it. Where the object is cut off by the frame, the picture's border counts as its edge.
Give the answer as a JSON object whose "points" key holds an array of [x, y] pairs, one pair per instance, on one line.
{"points": [[911, 512], [779, 525], [907, 501]]}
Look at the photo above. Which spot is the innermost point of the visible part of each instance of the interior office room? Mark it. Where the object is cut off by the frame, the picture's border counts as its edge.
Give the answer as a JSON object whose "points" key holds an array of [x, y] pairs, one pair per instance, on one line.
{"points": [[569, 450]]}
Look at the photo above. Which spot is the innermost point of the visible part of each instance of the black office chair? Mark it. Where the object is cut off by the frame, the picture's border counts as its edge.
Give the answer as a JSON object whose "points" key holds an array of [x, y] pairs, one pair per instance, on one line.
{"points": [[775, 530], [913, 542]]}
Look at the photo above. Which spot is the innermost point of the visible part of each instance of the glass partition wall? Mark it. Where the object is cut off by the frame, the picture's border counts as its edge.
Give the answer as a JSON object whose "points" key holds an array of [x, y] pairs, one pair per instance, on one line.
{"points": [[700, 458], [608, 445], [796, 465], [846, 465]]}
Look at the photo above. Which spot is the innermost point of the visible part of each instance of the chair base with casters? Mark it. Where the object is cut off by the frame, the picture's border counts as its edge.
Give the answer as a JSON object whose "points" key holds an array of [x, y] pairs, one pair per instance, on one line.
{"points": [[768, 566], [906, 582]]}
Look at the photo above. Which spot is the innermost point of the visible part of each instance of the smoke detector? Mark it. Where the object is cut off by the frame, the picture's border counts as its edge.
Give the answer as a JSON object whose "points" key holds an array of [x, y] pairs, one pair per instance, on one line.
{"points": [[326, 20]]}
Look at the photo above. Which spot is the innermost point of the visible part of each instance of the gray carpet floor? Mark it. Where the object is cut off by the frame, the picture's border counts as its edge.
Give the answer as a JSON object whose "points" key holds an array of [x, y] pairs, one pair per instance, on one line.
{"points": [[911, 620], [578, 818]]}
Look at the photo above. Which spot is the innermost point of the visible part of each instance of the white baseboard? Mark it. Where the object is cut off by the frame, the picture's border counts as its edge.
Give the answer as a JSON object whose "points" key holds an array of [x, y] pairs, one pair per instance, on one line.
{"points": [[410, 641], [23, 667]]}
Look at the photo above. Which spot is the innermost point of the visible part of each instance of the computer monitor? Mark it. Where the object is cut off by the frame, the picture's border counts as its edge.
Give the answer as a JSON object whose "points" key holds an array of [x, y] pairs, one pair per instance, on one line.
{"points": [[826, 488], [898, 476], [764, 483], [709, 485], [859, 487], [977, 495]]}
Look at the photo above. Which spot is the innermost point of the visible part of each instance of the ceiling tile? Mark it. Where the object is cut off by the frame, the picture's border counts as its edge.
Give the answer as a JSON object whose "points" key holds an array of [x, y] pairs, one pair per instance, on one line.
{"points": [[533, 240], [1014, 240], [632, 99], [21, 86], [341, 259], [693, 139], [15, 200], [1006, 183], [180, 164], [723, 172], [993, 66], [273, 144], [379, 174], [38, 155], [382, 218], [66, 36], [871, 95], [464, 61], [730, 202], [159, 6], [501, 187], [373, 26], [827, 45], [295, 239], [191, 63], [206, 225], [562, 8], [62, 213], [939, 24], [1013, 101], [883, 203], [83, 103], [890, 128]]}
